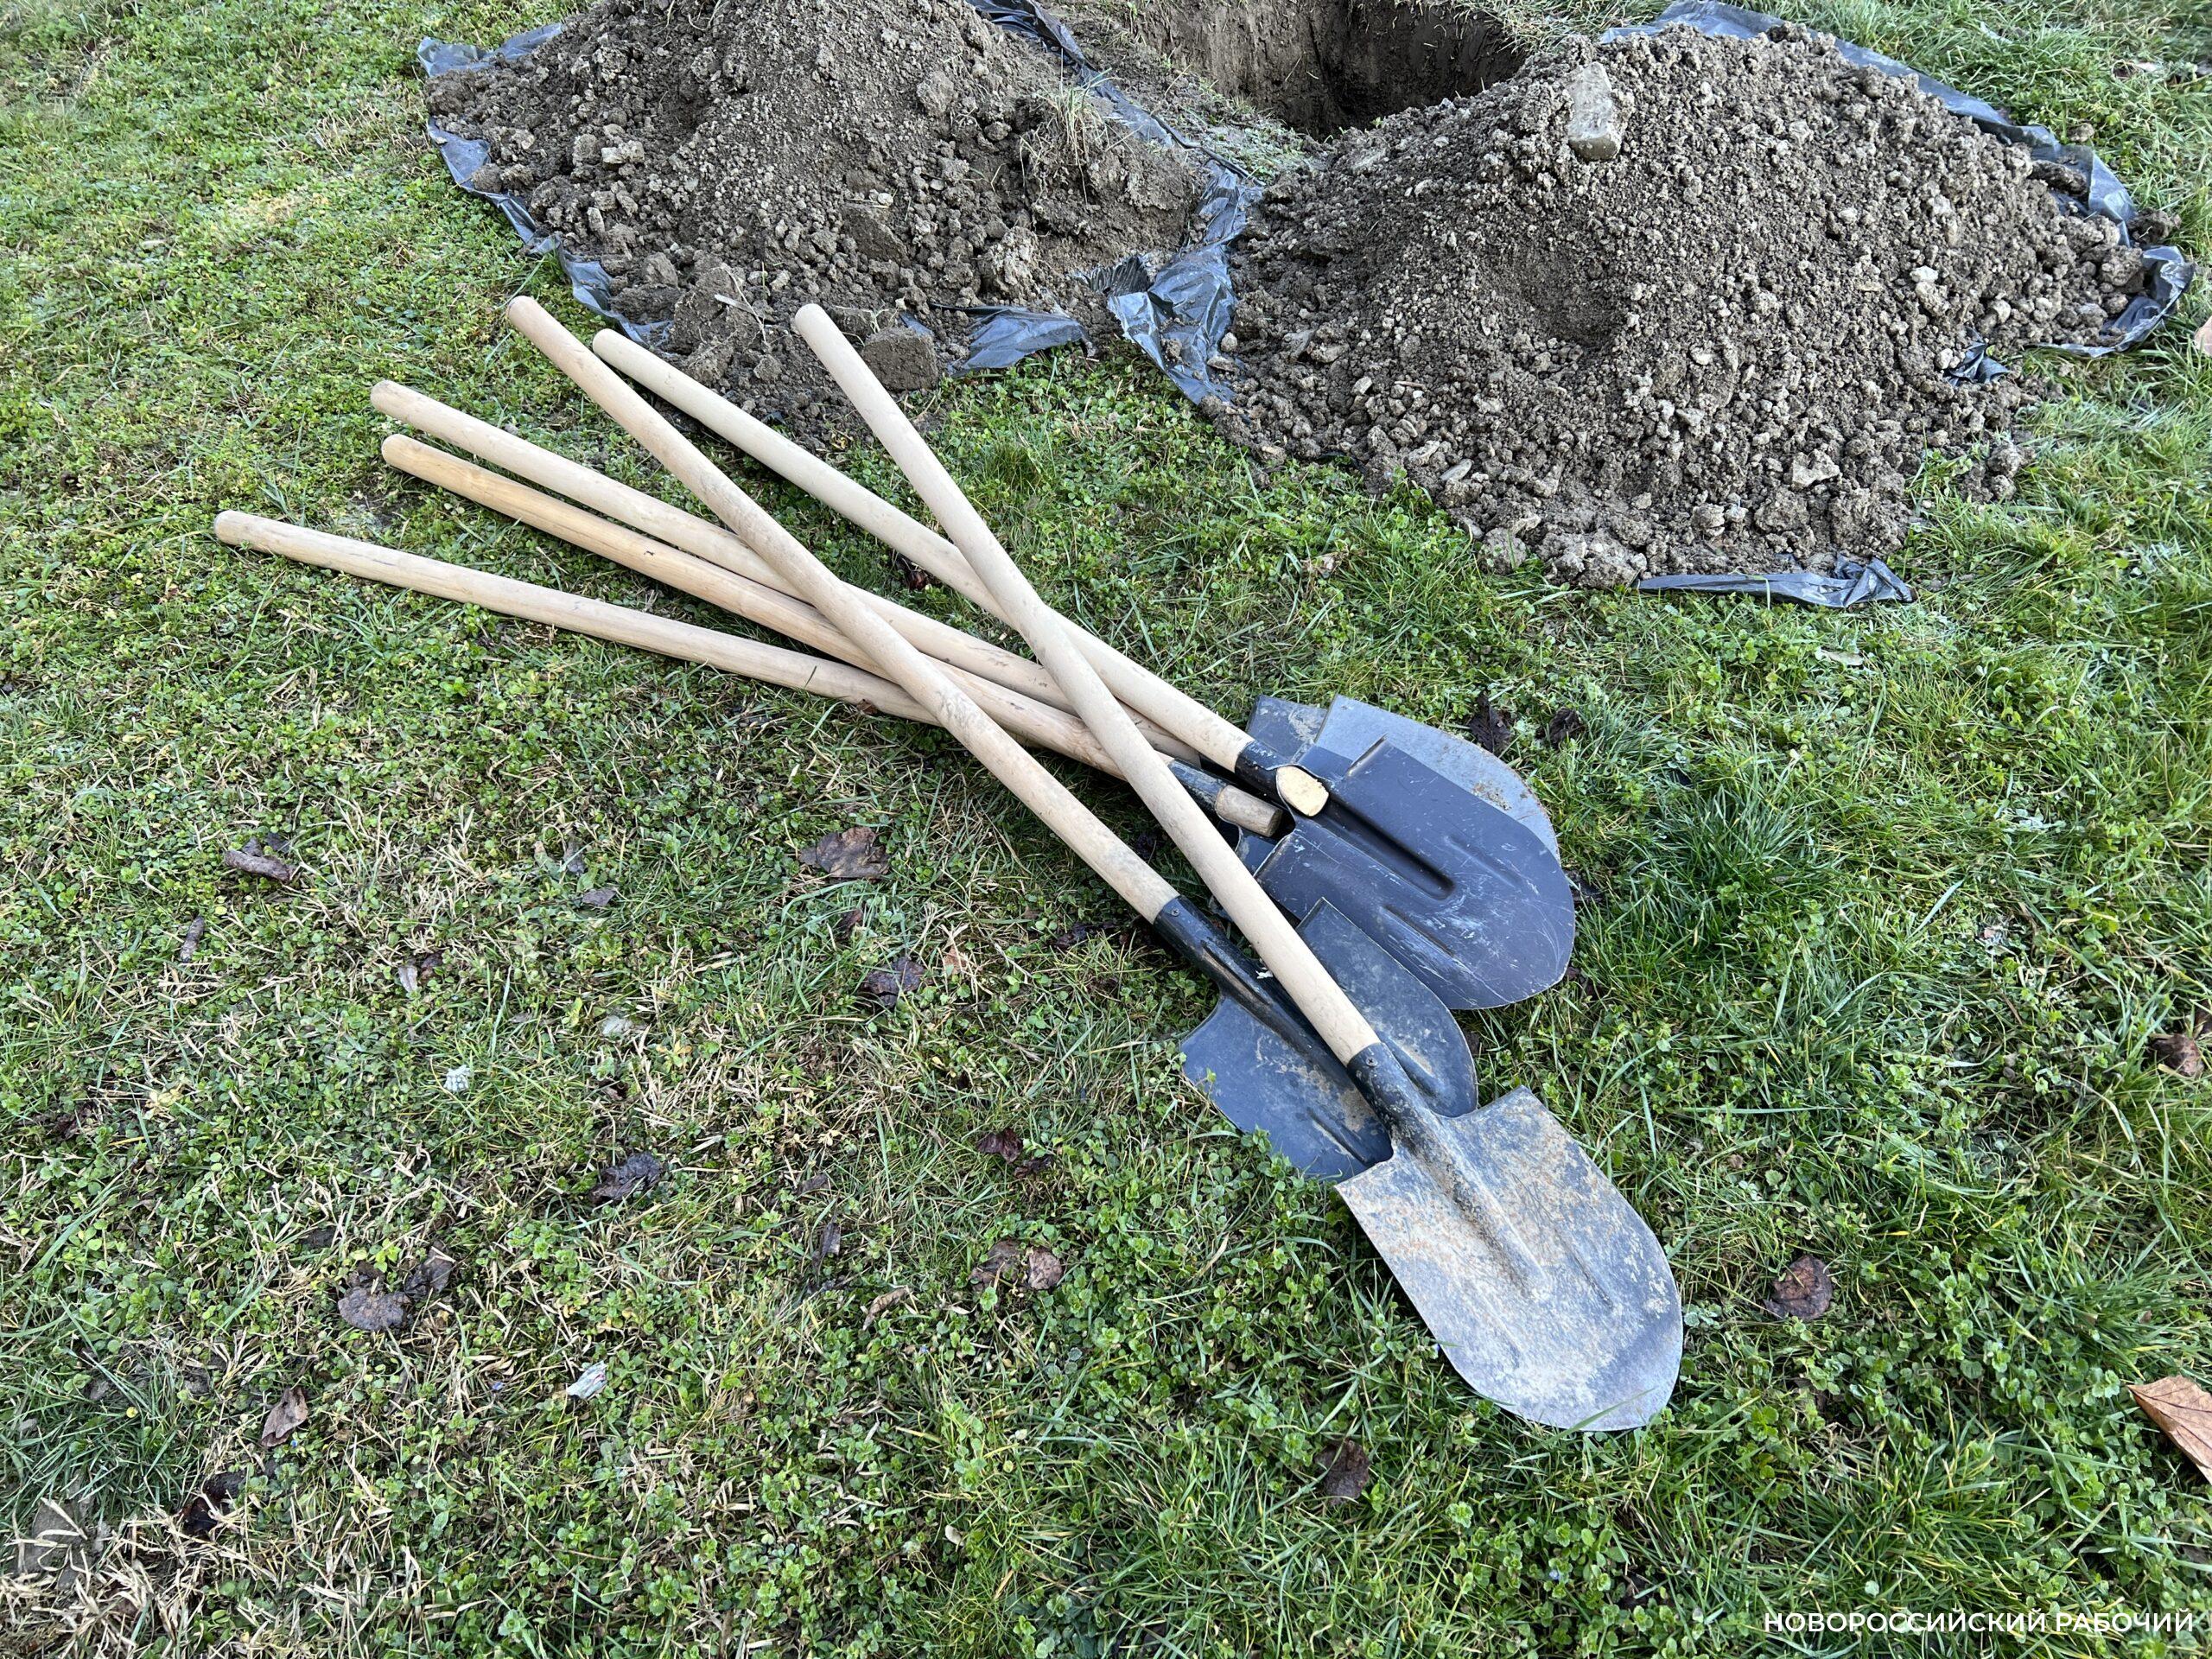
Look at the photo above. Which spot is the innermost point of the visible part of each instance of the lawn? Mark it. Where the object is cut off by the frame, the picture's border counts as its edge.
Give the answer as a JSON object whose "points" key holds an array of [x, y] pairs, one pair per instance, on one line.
{"points": [[1882, 911]]}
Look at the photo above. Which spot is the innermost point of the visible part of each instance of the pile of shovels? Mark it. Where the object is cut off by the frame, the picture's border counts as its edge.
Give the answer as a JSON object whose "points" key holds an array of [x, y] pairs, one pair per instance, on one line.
{"points": [[1384, 872]]}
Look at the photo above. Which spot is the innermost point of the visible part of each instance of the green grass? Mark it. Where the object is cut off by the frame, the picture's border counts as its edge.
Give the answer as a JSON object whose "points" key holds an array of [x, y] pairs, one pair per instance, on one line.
{"points": [[1884, 908]]}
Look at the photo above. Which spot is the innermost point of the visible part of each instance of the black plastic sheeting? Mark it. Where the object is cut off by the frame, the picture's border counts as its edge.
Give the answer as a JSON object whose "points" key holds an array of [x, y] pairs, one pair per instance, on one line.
{"points": [[1173, 306], [1850, 584]]}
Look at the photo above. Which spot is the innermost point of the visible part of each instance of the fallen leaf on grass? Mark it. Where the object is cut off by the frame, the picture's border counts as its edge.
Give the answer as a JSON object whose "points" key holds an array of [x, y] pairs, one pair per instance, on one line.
{"points": [[886, 1302], [254, 859], [1069, 937], [366, 1307], [287, 1414], [2184, 1411], [1347, 1471], [848, 925], [1006, 1146], [597, 899], [1565, 726], [195, 931], [1009, 1261], [204, 1508], [1805, 1291], [855, 854], [829, 1242], [640, 1171], [2178, 1051], [883, 987], [1491, 727]]}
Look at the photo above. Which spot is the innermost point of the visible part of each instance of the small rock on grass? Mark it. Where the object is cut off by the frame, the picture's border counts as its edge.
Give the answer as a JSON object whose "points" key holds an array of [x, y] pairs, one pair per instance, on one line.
{"points": [[855, 854], [1805, 1291]]}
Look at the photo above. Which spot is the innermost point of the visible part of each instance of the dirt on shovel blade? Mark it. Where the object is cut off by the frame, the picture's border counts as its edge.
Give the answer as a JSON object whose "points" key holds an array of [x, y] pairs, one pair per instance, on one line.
{"points": [[1668, 303], [729, 162]]}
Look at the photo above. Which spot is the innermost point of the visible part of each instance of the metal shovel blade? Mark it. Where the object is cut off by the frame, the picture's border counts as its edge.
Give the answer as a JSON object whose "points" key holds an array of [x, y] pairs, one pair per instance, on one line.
{"points": [[1466, 896], [1266, 1069], [1566, 1310], [1540, 1283], [1348, 726]]}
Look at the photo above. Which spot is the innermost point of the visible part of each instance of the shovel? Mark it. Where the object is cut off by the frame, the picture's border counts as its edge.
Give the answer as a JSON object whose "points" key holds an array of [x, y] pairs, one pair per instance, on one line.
{"points": [[1539, 1280], [1432, 853]]}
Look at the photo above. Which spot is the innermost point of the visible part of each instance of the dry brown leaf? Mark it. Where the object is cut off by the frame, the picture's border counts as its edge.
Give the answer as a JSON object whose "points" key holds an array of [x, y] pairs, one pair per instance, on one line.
{"points": [[886, 1302], [287, 1414], [2184, 1412], [1347, 1473], [855, 854], [1805, 1291]]}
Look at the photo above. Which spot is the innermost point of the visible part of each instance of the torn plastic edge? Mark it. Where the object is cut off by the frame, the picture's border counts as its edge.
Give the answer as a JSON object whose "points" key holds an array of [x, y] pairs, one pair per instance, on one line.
{"points": [[1849, 584], [2169, 272], [1174, 307]]}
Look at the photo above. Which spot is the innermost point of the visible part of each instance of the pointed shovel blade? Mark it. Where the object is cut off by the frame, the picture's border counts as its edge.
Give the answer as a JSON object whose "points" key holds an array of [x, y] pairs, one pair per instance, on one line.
{"points": [[1558, 1303], [1553, 1297]]}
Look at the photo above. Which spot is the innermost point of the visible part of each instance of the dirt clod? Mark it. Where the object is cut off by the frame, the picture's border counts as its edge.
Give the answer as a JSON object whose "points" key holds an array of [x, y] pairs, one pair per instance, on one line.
{"points": [[728, 161], [1670, 302]]}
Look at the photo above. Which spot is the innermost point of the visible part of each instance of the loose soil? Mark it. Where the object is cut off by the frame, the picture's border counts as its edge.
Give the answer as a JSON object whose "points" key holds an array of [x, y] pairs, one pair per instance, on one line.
{"points": [[1727, 346], [728, 161]]}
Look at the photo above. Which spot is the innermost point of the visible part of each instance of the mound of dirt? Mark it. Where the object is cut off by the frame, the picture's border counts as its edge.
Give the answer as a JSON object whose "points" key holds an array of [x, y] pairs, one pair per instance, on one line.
{"points": [[729, 161], [1668, 303]]}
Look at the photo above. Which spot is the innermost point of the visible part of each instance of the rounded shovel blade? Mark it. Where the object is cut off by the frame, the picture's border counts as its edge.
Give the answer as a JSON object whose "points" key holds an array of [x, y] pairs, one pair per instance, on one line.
{"points": [[1348, 726], [1468, 898], [1556, 1301]]}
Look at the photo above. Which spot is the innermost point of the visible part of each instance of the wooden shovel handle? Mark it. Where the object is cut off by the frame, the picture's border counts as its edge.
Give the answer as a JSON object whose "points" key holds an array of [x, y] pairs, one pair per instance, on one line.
{"points": [[573, 613], [750, 659], [673, 527], [1170, 710], [1037, 724], [1141, 887], [1309, 985]]}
